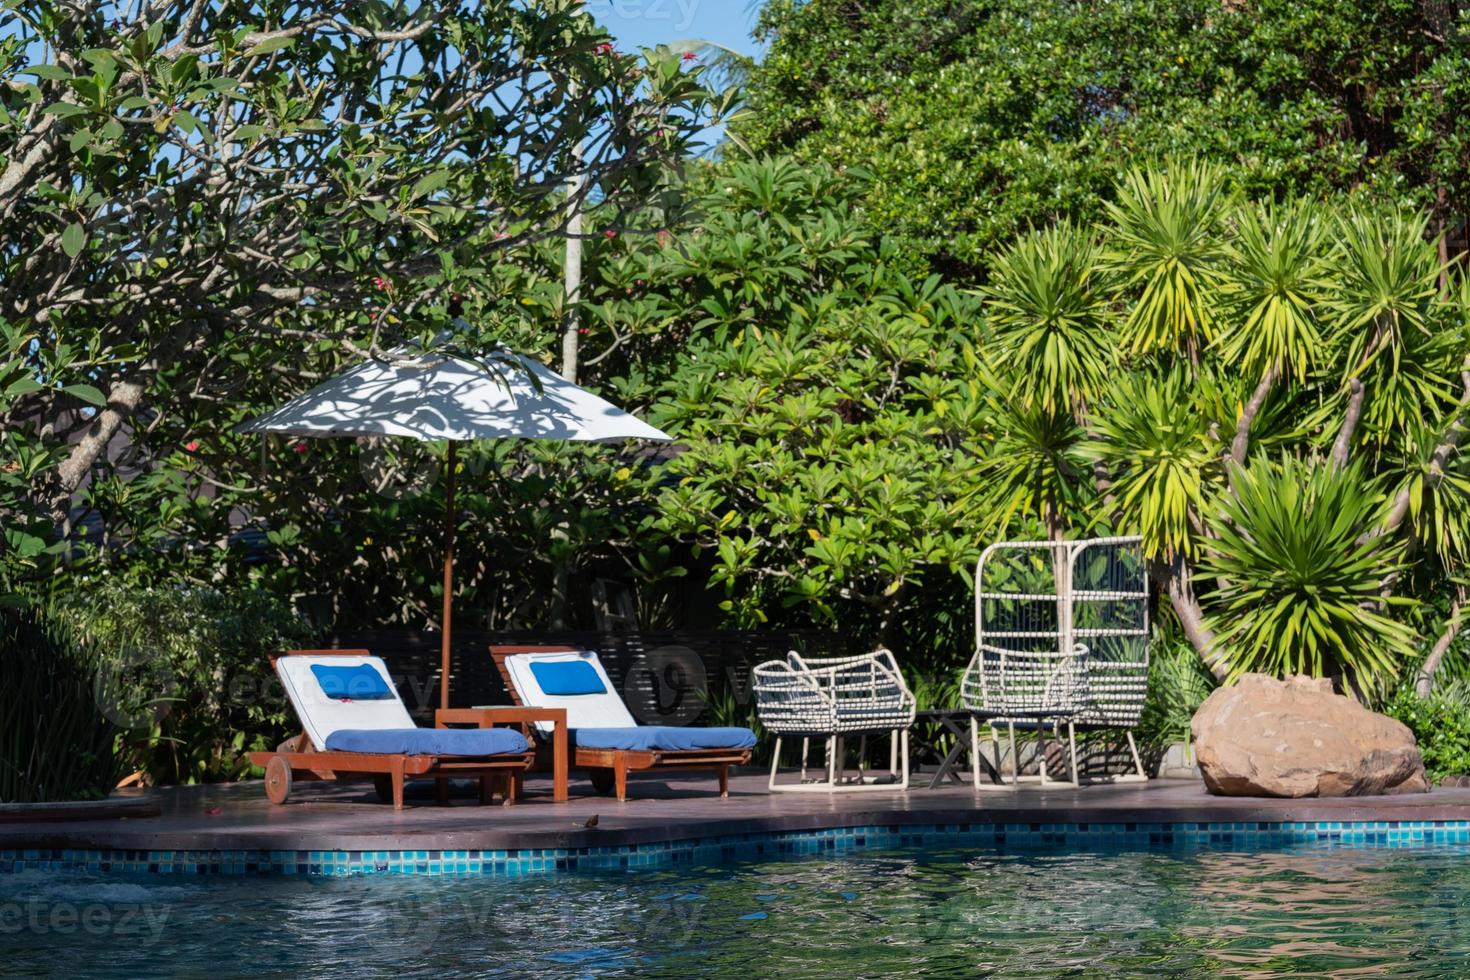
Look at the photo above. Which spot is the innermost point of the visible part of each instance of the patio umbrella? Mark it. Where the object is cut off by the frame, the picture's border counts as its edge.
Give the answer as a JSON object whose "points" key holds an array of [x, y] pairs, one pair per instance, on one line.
{"points": [[435, 397]]}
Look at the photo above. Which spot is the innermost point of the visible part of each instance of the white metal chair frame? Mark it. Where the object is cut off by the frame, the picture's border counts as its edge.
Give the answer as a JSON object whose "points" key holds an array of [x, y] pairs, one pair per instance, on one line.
{"points": [[1070, 673], [833, 698]]}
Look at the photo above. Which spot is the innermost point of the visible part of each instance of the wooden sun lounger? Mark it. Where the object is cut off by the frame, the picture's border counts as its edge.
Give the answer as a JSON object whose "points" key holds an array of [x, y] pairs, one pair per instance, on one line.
{"points": [[297, 758], [609, 768]]}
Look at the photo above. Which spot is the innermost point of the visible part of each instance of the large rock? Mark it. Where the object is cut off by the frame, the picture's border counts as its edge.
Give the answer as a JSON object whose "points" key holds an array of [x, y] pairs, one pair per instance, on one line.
{"points": [[1264, 737]]}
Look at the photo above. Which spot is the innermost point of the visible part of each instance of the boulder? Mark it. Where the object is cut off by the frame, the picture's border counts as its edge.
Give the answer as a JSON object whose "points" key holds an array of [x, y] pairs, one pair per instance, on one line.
{"points": [[1293, 738]]}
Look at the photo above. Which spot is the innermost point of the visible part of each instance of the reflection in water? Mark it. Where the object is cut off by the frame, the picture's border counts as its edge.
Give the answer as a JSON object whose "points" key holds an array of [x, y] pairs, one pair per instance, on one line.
{"points": [[960, 913]]}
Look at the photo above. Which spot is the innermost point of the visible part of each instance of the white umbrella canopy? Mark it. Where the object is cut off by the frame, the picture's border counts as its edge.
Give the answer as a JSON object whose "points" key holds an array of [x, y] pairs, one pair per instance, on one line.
{"points": [[436, 397]]}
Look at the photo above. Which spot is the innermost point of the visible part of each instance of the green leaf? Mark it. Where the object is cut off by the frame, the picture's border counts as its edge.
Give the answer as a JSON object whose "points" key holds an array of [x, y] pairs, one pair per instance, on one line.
{"points": [[269, 45], [22, 386], [52, 73], [429, 183], [73, 240], [87, 393], [64, 110]]}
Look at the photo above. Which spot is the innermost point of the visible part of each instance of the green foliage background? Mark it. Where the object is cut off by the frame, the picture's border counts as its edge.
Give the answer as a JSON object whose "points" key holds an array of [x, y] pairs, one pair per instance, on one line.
{"points": [[989, 269], [981, 118]]}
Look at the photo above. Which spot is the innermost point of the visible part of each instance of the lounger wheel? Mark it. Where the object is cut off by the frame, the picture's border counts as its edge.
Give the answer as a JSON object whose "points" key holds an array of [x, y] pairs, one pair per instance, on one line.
{"points": [[277, 780], [602, 780], [383, 784]]}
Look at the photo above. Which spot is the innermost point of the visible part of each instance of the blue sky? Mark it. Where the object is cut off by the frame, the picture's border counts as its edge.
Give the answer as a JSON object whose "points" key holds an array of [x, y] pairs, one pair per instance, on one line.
{"points": [[645, 23]]}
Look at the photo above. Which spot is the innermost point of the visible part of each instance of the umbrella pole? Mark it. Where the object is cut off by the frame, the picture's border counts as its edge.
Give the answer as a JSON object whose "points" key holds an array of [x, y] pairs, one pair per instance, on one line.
{"points": [[450, 465]]}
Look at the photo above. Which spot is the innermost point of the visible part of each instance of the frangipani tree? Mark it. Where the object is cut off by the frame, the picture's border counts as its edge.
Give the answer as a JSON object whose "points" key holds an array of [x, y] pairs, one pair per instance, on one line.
{"points": [[199, 201]]}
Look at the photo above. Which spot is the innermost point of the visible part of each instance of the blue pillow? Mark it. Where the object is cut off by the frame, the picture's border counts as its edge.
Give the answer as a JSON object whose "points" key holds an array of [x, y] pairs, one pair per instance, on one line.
{"points": [[560, 678], [361, 682]]}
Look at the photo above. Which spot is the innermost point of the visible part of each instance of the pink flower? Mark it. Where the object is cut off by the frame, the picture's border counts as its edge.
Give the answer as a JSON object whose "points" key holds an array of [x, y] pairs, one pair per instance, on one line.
{"points": [[300, 447], [380, 282], [603, 49], [609, 234], [192, 447]]}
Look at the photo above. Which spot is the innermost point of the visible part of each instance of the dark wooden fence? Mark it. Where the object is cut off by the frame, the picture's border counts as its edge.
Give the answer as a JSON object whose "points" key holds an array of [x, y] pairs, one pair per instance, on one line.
{"points": [[665, 677]]}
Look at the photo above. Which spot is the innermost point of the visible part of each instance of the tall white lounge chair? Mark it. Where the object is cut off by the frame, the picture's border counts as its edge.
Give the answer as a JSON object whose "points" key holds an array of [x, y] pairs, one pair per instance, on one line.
{"points": [[1061, 645], [831, 699]]}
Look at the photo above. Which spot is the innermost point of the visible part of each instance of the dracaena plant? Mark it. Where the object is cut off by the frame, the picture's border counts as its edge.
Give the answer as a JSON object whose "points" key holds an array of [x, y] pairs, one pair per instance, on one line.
{"points": [[1167, 247], [1034, 469], [1049, 319], [1277, 276], [1156, 444], [1387, 283], [1300, 572]]}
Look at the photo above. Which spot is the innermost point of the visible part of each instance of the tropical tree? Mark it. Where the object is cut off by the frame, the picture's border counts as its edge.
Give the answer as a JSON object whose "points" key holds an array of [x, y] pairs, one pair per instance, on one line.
{"points": [[1301, 574], [203, 205], [832, 441], [1267, 392]]}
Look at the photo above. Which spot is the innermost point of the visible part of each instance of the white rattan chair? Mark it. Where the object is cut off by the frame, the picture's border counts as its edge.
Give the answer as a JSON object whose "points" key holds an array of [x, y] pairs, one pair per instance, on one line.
{"points": [[832, 699], [1061, 645]]}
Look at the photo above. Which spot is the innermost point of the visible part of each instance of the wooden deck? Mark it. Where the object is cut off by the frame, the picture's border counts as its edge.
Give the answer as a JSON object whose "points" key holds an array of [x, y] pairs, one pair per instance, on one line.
{"points": [[348, 816]]}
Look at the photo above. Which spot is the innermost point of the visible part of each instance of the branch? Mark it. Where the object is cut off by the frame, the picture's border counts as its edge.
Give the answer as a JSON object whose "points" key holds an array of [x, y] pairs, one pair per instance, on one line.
{"points": [[1424, 686], [1240, 445], [1174, 577], [122, 401], [1342, 448]]}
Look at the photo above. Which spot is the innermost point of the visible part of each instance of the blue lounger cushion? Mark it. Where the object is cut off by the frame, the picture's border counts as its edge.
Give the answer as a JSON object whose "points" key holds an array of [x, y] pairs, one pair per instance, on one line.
{"points": [[663, 738], [428, 741]]}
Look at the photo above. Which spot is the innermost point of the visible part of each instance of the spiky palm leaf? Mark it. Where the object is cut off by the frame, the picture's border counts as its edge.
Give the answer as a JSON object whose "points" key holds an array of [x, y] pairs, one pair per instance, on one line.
{"points": [[1276, 279], [1388, 279], [1301, 578], [1047, 315], [1157, 446], [1034, 466], [1167, 247]]}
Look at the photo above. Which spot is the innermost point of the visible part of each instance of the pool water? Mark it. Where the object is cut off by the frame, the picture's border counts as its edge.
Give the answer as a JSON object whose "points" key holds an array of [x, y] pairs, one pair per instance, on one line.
{"points": [[962, 912]]}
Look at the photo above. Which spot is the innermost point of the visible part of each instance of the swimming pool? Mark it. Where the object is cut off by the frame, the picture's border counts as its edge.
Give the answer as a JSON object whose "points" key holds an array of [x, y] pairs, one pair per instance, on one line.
{"points": [[956, 911]]}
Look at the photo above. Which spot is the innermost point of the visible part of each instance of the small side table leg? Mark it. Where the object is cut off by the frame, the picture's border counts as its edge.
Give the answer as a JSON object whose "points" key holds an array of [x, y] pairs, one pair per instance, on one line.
{"points": [[946, 767], [559, 763]]}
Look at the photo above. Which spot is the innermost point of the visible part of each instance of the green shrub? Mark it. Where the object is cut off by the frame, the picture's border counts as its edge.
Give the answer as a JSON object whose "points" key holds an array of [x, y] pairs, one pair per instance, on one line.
{"points": [[54, 742], [1178, 683], [185, 672], [1441, 723]]}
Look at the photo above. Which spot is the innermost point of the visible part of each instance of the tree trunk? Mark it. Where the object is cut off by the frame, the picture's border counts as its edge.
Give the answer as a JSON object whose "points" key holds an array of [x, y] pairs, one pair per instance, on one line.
{"points": [[571, 336], [1424, 686], [1342, 448], [1240, 445], [1174, 577], [122, 401]]}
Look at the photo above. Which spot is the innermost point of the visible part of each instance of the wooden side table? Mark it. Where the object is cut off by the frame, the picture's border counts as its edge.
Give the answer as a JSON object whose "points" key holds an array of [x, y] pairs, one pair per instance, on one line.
{"points": [[524, 717]]}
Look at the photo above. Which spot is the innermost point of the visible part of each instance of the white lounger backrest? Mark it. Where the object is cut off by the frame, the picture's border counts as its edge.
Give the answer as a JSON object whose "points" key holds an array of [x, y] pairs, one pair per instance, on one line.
{"points": [[321, 716], [605, 710]]}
